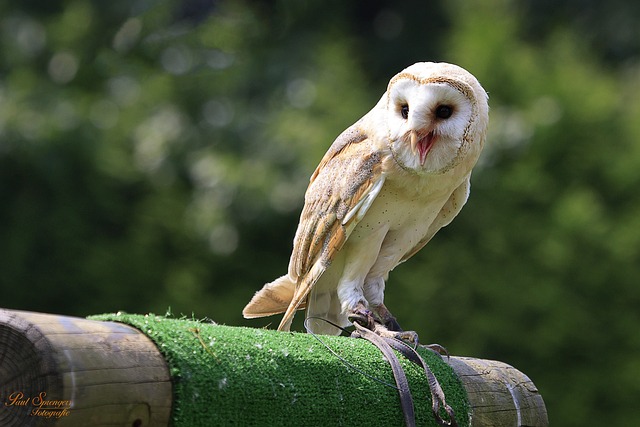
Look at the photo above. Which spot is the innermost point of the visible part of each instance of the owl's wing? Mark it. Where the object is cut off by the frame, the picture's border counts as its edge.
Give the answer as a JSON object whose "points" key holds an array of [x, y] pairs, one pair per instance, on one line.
{"points": [[449, 211], [340, 192]]}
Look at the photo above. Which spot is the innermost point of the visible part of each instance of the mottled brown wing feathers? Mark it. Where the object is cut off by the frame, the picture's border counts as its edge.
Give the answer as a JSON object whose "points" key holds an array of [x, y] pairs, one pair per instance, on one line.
{"points": [[347, 174], [351, 135], [344, 181]]}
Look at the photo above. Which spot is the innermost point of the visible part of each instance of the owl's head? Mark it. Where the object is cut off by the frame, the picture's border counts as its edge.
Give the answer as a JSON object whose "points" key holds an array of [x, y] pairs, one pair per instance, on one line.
{"points": [[437, 117]]}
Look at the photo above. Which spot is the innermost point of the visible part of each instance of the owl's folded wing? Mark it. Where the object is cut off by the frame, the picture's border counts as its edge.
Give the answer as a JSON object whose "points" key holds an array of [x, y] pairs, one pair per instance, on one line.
{"points": [[341, 190]]}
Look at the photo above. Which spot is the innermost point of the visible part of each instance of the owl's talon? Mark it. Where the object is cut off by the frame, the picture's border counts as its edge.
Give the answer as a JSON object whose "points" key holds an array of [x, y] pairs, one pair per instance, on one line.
{"points": [[437, 348]]}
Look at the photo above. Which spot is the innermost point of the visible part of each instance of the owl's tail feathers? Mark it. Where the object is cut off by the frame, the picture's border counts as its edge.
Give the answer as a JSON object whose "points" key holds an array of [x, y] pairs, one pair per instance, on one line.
{"points": [[273, 298]]}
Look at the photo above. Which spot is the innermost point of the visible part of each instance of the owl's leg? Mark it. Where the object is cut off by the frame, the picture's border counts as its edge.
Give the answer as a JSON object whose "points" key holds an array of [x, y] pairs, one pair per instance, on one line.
{"points": [[385, 323], [373, 290]]}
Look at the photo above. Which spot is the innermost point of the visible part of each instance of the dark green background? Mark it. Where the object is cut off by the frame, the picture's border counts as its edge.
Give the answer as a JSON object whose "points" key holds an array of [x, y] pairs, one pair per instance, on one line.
{"points": [[154, 156]]}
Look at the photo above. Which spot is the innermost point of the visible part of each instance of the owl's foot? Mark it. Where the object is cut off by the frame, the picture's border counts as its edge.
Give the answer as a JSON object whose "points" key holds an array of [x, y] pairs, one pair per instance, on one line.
{"points": [[409, 337], [382, 323], [362, 315], [386, 318]]}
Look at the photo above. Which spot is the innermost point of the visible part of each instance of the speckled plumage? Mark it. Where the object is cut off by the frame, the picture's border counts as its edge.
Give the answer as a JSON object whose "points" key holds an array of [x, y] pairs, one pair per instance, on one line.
{"points": [[383, 189]]}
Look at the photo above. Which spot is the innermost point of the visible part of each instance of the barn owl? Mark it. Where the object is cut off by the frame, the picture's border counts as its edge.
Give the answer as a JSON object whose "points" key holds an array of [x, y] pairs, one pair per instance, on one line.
{"points": [[380, 193]]}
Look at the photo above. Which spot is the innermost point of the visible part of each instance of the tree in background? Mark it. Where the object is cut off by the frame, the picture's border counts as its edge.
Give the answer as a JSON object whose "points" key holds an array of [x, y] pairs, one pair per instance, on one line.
{"points": [[154, 156]]}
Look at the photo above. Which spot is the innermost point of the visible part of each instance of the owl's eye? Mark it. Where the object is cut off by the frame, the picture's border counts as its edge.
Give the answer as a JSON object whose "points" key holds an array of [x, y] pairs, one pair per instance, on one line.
{"points": [[444, 111], [404, 111]]}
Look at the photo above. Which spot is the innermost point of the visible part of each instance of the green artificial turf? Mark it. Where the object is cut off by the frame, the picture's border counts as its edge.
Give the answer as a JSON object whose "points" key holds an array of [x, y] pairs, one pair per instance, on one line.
{"points": [[224, 375]]}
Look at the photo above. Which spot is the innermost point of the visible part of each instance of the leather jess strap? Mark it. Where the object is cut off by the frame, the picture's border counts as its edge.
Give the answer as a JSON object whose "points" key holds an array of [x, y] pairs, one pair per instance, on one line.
{"points": [[386, 346]]}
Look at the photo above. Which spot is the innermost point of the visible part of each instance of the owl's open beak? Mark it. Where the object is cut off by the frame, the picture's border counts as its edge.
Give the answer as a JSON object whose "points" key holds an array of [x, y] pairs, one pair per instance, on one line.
{"points": [[422, 144]]}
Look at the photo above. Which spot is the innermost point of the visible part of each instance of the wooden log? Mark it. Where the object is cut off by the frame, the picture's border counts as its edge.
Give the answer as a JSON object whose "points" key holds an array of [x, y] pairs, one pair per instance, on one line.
{"points": [[499, 394], [79, 372], [68, 371]]}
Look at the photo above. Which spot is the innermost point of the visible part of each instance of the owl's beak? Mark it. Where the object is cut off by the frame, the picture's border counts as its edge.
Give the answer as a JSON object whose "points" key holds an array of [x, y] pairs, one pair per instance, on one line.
{"points": [[422, 144]]}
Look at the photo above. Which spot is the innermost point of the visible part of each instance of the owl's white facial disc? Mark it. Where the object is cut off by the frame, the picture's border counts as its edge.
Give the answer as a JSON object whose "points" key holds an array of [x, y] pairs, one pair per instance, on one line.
{"points": [[428, 122]]}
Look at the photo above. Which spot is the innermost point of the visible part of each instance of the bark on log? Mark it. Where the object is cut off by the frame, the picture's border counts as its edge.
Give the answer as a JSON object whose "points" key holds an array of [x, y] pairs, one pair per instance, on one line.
{"points": [[499, 394]]}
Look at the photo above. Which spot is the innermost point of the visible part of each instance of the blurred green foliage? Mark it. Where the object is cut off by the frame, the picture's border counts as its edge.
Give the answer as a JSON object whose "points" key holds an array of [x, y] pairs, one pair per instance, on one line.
{"points": [[154, 156]]}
